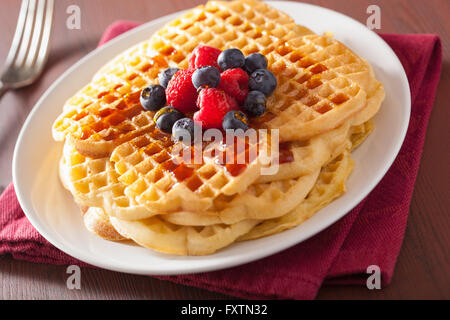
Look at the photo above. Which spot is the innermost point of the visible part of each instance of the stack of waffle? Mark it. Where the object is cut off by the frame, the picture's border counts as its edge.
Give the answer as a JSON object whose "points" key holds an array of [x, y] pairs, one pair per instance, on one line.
{"points": [[120, 168]]}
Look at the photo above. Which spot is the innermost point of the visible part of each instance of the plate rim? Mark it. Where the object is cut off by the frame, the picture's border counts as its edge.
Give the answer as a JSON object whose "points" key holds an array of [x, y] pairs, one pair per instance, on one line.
{"points": [[87, 258]]}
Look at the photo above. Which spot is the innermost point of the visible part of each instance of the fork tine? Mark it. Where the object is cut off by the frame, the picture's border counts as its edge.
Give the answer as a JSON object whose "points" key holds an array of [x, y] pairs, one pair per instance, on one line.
{"points": [[37, 34], [45, 41], [27, 32], [17, 34]]}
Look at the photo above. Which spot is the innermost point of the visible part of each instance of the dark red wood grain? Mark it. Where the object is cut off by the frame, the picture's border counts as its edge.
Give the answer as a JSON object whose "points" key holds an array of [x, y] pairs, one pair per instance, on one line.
{"points": [[423, 268]]}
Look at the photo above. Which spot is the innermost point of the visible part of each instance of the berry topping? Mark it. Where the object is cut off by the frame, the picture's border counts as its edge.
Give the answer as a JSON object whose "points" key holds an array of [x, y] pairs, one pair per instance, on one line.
{"points": [[262, 80], [235, 83], [207, 76], [230, 59], [204, 56], [213, 104], [255, 104], [235, 120], [165, 76], [180, 92], [183, 130], [153, 97], [166, 117], [255, 61]]}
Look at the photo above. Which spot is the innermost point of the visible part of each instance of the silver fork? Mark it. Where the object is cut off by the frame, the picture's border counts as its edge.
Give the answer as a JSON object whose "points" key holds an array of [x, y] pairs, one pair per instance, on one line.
{"points": [[29, 48]]}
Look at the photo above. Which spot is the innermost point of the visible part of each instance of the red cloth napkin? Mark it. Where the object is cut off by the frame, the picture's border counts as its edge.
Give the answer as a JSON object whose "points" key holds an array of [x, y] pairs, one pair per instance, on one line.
{"points": [[371, 234]]}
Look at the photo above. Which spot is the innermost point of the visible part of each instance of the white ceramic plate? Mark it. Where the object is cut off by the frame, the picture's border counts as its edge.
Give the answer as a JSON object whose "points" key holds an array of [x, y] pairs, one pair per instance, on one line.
{"points": [[53, 213]]}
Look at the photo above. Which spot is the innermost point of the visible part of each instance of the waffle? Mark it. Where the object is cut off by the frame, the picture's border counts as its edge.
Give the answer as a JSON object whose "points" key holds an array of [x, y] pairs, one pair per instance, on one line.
{"points": [[353, 138], [82, 175], [138, 164], [329, 186], [260, 201], [144, 184], [157, 234], [160, 235], [163, 236], [107, 112], [269, 209], [88, 179], [94, 182], [307, 155], [298, 158], [315, 97], [155, 178]]}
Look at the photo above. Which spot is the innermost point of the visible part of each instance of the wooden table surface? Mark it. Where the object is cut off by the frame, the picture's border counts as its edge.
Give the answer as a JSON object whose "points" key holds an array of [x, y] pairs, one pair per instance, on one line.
{"points": [[423, 267]]}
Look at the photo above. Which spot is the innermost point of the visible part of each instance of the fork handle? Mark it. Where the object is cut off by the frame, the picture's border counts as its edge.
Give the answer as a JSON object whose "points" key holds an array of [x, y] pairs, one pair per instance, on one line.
{"points": [[3, 89]]}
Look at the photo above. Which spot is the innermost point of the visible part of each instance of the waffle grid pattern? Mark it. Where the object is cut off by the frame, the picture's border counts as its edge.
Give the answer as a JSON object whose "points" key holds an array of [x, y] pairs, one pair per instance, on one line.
{"points": [[88, 179], [307, 89], [329, 185], [259, 201], [256, 29], [156, 178]]}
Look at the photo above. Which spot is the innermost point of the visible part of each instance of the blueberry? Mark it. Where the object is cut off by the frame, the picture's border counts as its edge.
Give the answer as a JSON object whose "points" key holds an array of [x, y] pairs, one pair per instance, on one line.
{"points": [[183, 130], [207, 76], [262, 80], [153, 97], [255, 61], [165, 76], [166, 117], [255, 103], [230, 59], [235, 120]]}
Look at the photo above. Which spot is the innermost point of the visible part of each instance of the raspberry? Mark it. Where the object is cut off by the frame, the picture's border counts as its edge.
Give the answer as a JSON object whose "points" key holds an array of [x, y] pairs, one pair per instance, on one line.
{"points": [[235, 83], [181, 93], [204, 56], [214, 105]]}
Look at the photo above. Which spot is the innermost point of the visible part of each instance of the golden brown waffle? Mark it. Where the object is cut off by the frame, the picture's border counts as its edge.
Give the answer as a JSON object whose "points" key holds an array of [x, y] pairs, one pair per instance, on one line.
{"points": [[166, 237], [106, 112], [329, 186], [94, 182], [260, 201], [302, 157], [311, 97], [88, 179], [157, 179], [271, 204], [161, 235], [96, 129], [298, 158]]}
